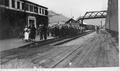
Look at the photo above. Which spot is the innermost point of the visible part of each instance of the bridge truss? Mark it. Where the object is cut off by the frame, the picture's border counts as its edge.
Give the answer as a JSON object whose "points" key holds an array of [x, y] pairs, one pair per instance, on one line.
{"points": [[93, 15]]}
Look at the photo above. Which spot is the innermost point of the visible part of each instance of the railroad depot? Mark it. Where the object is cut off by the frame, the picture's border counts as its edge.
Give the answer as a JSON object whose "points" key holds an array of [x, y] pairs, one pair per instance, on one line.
{"points": [[16, 14], [52, 40]]}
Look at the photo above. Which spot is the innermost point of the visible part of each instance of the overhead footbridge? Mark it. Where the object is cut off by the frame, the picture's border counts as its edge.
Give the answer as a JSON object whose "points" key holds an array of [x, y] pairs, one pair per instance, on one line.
{"points": [[93, 15]]}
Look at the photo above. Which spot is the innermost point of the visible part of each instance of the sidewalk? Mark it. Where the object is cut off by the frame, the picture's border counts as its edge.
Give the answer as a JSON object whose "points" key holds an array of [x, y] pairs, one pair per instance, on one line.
{"points": [[15, 43]]}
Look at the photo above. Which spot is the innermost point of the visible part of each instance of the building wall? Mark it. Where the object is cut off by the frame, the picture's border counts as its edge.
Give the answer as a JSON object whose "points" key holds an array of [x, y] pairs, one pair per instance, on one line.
{"points": [[13, 21], [98, 22], [112, 16]]}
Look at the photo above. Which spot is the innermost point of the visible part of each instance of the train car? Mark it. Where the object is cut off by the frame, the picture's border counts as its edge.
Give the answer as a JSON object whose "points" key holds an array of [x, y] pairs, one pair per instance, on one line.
{"points": [[16, 14]]}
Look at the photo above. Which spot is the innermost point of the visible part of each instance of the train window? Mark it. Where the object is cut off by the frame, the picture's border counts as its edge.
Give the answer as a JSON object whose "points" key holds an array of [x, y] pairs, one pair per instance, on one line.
{"points": [[13, 3]]}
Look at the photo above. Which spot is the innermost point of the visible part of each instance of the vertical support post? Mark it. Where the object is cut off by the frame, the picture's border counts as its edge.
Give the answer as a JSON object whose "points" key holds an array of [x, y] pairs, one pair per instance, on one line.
{"points": [[38, 10], [101, 24], [10, 3], [109, 23], [20, 5], [82, 25], [82, 21], [16, 4]]}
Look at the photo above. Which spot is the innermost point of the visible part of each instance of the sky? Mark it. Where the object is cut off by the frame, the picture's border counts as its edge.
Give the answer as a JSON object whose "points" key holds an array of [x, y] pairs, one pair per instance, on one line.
{"points": [[73, 8]]}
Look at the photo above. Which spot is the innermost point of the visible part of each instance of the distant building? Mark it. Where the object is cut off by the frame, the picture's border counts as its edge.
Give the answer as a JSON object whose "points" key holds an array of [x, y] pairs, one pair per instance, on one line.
{"points": [[16, 14], [75, 23], [55, 18], [90, 27], [112, 16]]}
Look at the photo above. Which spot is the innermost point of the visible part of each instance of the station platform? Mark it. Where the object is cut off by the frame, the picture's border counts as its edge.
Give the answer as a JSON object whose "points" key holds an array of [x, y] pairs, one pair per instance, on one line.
{"points": [[15, 43]]}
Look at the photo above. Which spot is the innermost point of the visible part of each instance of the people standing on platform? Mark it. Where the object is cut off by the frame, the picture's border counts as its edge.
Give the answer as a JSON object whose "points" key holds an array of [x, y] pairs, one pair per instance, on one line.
{"points": [[26, 33], [40, 32], [48, 31], [44, 30], [32, 33]]}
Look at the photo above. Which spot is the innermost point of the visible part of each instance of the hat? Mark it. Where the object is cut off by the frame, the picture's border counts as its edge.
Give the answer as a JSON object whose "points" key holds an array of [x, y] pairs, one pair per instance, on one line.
{"points": [[40, 25]]}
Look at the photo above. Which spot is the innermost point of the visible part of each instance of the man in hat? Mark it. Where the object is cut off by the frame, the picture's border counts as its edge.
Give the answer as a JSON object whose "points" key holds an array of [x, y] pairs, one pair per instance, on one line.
{"points": [[40, 31]]}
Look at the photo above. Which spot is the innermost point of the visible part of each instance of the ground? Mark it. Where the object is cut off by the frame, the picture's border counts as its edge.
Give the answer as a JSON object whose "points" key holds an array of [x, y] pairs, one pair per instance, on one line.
{"points": [[92, 50]]}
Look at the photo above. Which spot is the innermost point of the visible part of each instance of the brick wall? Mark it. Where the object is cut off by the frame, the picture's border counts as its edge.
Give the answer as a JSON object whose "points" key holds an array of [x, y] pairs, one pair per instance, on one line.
{"points": [[112, 17]]}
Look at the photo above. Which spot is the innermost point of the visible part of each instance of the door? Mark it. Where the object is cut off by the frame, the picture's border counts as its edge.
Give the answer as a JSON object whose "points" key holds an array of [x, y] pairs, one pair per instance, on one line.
{"points": [[31, 21]]}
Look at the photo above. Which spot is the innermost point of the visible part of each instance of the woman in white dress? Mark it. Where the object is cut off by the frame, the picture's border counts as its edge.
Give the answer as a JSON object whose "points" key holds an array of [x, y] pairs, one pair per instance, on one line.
{"points": [[26, 33]]}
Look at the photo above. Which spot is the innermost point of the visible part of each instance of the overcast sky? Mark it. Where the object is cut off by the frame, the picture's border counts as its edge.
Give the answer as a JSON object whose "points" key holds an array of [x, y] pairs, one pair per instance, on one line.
{"points": [[74, 8]]}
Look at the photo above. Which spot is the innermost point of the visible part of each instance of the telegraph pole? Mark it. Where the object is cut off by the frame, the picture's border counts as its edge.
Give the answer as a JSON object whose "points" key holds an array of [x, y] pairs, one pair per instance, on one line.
{"points": [[101, 23]]}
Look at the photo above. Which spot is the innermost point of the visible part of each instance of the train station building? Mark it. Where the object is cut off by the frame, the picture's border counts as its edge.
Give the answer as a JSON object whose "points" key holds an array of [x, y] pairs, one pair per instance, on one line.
{"points": [[16, 14]]}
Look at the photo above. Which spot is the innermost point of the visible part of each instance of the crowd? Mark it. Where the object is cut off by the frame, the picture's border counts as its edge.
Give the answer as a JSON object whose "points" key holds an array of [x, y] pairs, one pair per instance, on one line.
{"points": [[63, 30], [54, 31], [30, 32]]}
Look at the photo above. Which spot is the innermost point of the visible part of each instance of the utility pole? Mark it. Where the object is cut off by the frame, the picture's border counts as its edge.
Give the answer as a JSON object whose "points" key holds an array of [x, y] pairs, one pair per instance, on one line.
{"points": [[101, 23]]}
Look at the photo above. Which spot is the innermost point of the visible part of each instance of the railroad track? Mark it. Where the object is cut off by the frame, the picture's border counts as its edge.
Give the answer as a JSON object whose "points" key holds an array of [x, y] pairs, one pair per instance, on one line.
{"points": [[92, 53], [78, 55], [60, 59], [53, 42]]}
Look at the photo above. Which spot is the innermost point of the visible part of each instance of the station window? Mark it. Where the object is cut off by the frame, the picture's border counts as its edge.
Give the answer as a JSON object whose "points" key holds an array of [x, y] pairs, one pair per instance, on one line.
{"points": [[27, 7], [18, 5], [13, 3], [23, 7], [31, 8], [43, 12], [40, 10], [35, 9], [46, 12]]}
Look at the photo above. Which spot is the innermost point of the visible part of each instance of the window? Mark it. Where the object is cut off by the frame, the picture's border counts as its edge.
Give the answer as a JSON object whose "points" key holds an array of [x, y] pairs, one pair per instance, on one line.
{"points": [[13, 3], [18, 5], [46, 12], [43, 12], [23, 7], [27, 6], [31, 8], [40, 10], [35, 9]]}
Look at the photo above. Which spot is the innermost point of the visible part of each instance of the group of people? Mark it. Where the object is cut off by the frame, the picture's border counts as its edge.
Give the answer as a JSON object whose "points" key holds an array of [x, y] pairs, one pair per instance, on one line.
{"points": [[54, 31], [42, 31], [64, 30], [31, 32]]}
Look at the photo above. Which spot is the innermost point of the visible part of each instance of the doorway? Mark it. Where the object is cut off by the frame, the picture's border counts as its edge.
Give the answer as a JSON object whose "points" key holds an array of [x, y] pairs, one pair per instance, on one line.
{"points": [[31, 21]]}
